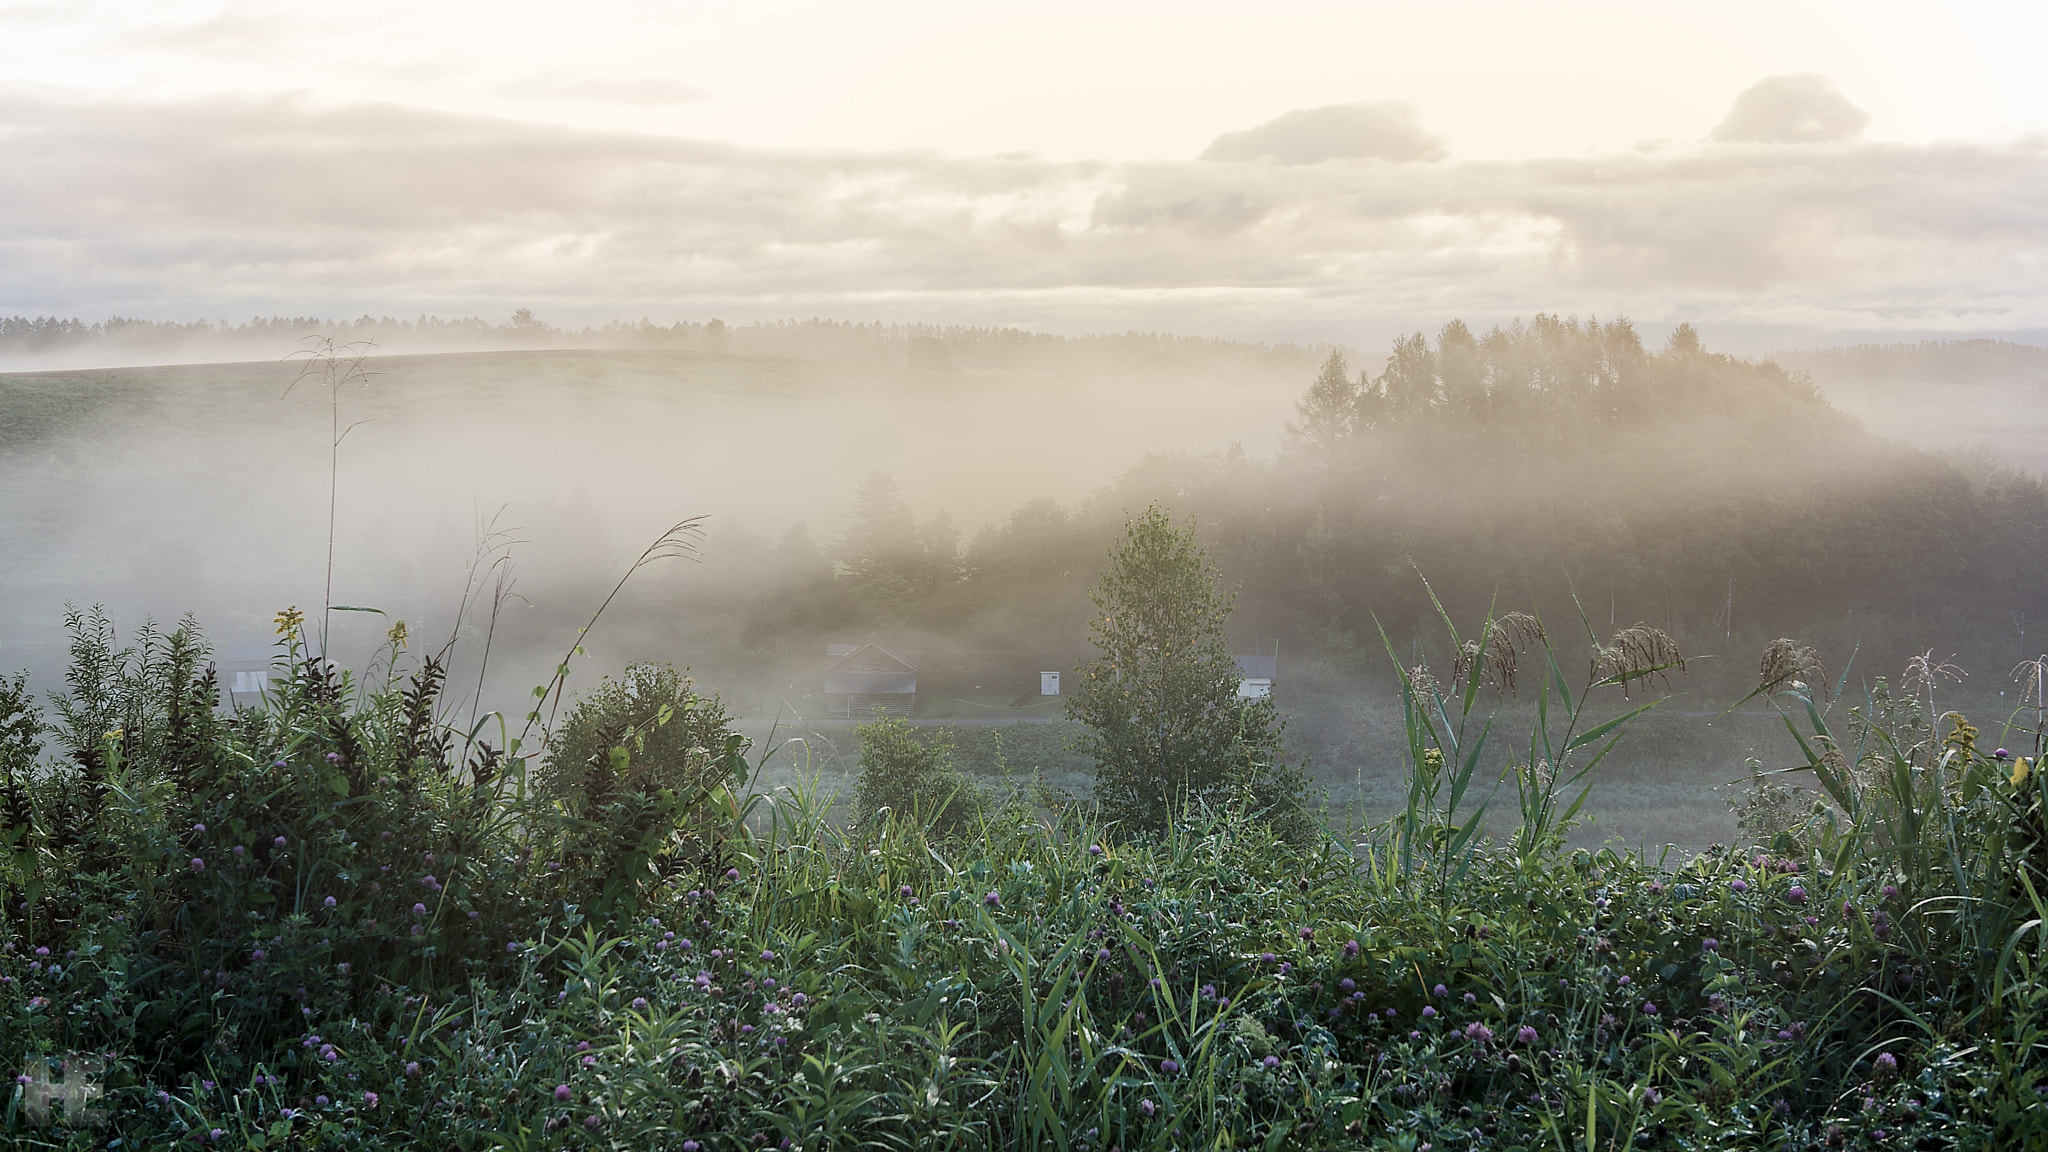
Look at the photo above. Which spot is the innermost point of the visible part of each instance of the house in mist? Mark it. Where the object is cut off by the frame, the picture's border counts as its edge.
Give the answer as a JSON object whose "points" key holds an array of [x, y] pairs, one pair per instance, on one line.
{"points": [[865, 676], [244, 669], [1255, 676]]}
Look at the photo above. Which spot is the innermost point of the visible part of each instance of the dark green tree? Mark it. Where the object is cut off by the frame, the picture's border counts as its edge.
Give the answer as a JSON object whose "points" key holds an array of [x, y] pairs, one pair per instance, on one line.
{"points": [[881, 541], [1328, 413], [891, 560], [21, 726], [1164, 721], [913, 778], [1410, 379]]}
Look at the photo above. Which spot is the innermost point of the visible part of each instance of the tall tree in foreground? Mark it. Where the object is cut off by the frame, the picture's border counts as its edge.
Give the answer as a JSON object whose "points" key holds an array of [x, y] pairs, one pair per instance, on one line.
{"points": [[1164, 721]]}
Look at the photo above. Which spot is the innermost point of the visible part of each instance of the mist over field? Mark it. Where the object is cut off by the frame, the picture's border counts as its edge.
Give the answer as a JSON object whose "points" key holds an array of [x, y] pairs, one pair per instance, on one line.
{"points": [[954, 492], [204, 488], [716, 577]]}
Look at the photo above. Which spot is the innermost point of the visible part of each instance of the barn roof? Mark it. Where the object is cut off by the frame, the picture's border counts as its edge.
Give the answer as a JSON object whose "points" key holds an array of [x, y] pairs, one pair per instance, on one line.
{"points": [[870, 657], [1256, 667]]}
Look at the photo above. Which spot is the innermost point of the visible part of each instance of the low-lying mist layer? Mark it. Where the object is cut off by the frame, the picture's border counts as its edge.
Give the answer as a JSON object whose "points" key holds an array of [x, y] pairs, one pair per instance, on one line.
{"points": [[959, 510]]}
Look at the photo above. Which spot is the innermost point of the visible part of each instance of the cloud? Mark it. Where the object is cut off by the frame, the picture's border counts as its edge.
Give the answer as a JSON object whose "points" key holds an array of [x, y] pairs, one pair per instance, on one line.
{"points": [[1386, 130], [1792, 110], [235, 32], [230, 207], [649, 91]]}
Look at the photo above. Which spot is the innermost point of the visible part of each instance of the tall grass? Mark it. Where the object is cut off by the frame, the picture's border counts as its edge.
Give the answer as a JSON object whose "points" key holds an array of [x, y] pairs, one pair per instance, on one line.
{"points": [[328, 923]]}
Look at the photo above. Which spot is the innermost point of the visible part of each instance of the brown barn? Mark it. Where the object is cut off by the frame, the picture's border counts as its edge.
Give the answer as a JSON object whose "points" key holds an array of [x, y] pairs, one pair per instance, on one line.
{"points": [[866, 676]]}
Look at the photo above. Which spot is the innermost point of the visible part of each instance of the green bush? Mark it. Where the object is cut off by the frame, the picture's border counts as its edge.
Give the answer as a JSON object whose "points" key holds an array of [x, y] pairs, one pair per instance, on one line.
{"points": [[213, 883], [642, 775], [672, 738], [912, 776], [1163, 718]]}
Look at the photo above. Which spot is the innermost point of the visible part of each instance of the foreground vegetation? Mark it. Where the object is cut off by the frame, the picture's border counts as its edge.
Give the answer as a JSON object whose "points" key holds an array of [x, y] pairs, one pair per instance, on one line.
{"points": [[338, 922]]}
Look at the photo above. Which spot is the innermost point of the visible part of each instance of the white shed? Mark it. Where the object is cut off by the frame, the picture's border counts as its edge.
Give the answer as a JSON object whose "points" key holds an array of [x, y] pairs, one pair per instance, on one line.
{"points": [[245, 669], [1255, 676]]}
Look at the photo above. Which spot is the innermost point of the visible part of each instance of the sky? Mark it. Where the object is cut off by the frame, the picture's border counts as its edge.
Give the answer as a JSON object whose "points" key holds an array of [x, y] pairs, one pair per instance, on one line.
{"points": [[1776, 173]]}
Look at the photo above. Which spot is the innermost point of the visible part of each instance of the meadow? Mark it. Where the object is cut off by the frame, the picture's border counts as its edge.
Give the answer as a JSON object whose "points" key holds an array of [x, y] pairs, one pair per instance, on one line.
{"points": [[339, 921], [1718, 499], [1540, 899]]}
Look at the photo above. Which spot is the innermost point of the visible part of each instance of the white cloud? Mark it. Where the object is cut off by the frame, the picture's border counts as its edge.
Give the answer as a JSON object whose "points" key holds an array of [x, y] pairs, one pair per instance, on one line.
{"points": [[648, 91], [230, 207], [1792, 110], [1386, 130]]}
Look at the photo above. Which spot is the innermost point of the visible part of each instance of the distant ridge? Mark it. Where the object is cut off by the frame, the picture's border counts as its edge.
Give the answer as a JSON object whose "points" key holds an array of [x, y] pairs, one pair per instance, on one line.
{"points": [[49, 342], [1944, 361]]}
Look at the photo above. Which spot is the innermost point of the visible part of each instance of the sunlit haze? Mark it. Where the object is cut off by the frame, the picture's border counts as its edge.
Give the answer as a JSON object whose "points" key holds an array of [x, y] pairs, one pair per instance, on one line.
{"points": [[965, 574]]}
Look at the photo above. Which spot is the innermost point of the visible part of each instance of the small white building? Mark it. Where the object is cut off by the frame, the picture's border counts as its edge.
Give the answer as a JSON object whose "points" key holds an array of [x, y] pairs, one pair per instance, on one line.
{"points": [[1255, 676], [245, 669]]}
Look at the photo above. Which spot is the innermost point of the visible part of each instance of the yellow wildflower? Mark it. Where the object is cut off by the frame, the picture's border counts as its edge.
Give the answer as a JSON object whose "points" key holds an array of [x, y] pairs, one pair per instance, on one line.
{"points": [[397, 634], [1963, 737], [288, 621], [2020, 768]]}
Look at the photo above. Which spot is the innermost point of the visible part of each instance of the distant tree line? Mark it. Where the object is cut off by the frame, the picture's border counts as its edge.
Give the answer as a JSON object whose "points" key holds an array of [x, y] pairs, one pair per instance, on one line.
{"points": [[917, 346], [1557, 466]]}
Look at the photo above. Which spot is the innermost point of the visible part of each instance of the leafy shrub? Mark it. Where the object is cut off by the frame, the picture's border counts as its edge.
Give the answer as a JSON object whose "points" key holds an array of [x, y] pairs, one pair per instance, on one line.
{"points": [[913, 778], [1772, 813], [1163, 718], [669, 735], [217, 882], [641, 774]]}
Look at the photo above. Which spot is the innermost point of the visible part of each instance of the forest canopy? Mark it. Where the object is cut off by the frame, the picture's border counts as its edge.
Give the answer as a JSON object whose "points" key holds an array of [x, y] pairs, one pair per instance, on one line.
{"points": [[1558, 466]]}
